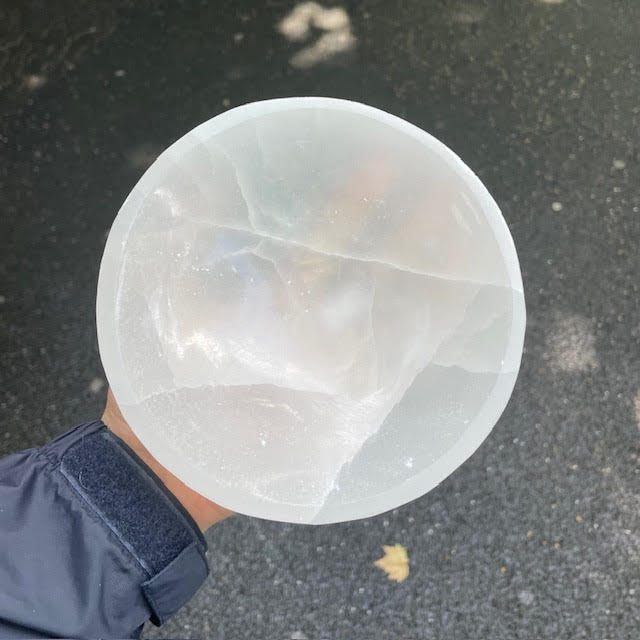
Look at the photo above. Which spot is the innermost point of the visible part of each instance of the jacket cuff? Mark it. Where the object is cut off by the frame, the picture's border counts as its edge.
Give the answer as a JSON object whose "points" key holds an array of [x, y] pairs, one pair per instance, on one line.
{"points": [[136, 506], [174, 586]]}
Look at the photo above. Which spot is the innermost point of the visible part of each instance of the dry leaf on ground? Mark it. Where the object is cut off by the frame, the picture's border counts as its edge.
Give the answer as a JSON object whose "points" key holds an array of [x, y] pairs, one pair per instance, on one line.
{"points": [[395, 562]]}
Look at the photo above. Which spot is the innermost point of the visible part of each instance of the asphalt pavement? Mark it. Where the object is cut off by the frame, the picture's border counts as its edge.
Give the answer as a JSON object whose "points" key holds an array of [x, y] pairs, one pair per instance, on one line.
{"points": [[537, 536]]}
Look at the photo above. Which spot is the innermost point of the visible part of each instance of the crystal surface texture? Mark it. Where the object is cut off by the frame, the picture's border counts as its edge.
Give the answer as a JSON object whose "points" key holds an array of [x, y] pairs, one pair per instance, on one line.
{"points": [[310, 310]]}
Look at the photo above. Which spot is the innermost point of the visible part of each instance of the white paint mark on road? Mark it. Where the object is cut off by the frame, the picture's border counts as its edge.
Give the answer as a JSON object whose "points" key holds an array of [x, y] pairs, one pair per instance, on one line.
{"points": [[298, 25]]}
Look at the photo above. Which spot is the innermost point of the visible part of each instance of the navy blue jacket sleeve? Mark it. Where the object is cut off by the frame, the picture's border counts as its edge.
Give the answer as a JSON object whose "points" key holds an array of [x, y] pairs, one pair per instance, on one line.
{"points": [[92, 544]]}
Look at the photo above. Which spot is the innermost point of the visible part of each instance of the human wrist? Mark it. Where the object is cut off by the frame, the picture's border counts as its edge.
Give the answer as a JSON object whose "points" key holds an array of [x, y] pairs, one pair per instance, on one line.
{"points": [[204, 512]]}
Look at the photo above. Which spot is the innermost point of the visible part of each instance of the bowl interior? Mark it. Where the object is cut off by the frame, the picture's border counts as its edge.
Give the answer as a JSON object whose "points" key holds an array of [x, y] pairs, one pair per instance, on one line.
{"points": [[310, 310]]}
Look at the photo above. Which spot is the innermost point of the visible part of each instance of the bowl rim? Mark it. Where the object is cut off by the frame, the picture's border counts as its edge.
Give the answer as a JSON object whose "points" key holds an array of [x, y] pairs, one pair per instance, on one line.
{"points": [[108, 343]]}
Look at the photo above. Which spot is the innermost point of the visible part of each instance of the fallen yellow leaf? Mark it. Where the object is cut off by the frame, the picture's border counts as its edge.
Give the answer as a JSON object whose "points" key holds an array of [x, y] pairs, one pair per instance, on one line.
{"points": [[395, 562]]}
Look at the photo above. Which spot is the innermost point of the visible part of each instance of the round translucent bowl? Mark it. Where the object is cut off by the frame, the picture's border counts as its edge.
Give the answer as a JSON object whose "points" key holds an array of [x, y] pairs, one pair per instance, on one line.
{"points": [[310, 310]]}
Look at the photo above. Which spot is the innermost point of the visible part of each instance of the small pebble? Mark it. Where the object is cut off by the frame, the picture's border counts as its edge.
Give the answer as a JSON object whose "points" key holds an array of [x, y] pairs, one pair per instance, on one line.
{"points": [[619, 164], [35, 81], [96, 385], [556, 206], [579, 519], [526, 597], [119, 73]]}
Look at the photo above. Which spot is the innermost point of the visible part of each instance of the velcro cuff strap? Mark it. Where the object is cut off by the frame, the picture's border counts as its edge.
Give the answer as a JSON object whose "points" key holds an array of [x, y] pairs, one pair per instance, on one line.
{"points": [[167, 591], [139, 510]]}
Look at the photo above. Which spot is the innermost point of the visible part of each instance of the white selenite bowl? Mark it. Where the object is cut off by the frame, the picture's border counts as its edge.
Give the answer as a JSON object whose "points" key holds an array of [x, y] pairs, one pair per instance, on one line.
{"points": [[310, 310]]}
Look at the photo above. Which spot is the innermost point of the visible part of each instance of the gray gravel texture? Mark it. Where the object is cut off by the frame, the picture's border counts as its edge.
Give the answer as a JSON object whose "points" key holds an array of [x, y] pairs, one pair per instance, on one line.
{"points": [[538, 535]]}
